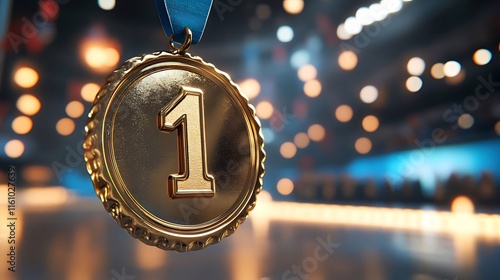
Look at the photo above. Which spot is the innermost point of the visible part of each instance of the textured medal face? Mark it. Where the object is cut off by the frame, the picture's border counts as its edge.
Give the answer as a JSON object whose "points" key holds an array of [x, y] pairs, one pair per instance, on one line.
{"points": [[174, 151]]}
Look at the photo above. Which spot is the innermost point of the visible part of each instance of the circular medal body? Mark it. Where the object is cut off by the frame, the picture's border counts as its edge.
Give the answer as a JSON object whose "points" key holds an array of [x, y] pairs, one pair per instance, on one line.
{"points": [[174, 150]]}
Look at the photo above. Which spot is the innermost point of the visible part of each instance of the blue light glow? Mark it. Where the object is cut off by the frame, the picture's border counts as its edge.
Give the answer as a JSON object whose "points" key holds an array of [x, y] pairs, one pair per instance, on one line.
{"points": [[429, 165], [299, 58]]}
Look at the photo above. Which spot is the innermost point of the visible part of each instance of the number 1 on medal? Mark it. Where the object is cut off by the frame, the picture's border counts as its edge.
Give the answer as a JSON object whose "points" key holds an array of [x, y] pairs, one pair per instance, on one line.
{"points": [[186, 115]]}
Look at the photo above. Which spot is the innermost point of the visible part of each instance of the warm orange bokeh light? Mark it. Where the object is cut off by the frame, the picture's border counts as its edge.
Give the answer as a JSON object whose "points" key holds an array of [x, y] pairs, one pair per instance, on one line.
{"points": [[288, 150], [264, 110], [26, 77], [250, 87], [65, 126], [312, 88], [100, 55], [301, 140], [316, 132], [463, 205], [307, 72], [363, 145], [437, 71], [285, 186], [348, 60], [28, 104], [293, 6], [75, 109], [370, 123], [482, 57], [89, 91], [37, 173], [14, 148], [344, 113], [22, 125]]}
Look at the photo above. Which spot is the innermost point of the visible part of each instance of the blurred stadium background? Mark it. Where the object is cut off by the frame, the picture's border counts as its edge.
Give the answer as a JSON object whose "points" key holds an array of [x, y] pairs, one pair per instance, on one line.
{"points": [[381, 123]]}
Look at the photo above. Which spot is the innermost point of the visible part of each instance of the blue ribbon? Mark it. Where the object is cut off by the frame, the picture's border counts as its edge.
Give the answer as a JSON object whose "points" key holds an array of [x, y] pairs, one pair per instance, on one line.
{"points": [[177, 14]]}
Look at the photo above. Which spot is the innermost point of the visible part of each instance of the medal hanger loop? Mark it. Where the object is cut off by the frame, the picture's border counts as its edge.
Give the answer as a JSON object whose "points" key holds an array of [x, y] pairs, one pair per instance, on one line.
{"points": [[188, 39]]}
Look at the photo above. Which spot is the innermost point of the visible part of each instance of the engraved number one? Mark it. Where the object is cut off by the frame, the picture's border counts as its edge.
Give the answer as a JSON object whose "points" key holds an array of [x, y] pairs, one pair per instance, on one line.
{"points": [[186, 115]]}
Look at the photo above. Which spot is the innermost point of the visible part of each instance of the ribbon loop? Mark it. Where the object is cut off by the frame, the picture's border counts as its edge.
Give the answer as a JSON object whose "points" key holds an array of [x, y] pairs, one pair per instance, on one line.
{"points": [[175, 15]]}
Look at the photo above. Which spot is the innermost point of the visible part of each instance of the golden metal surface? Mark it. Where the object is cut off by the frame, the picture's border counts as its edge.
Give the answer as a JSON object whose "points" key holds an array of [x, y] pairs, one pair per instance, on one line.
{"points": [[175, 152], [188, 114]]}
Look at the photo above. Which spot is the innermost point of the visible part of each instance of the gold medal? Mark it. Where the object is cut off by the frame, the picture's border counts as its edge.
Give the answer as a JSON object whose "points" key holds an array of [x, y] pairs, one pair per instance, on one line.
{"points": [[174, 150]]}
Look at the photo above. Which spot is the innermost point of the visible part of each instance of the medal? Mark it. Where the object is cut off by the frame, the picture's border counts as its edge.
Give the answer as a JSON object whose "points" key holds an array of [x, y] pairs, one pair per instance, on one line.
{"points": [[174, 150]]}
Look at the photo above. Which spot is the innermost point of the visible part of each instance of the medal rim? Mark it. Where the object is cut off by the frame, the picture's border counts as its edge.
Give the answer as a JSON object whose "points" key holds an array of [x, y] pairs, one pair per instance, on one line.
{"points": [[105, 185]]}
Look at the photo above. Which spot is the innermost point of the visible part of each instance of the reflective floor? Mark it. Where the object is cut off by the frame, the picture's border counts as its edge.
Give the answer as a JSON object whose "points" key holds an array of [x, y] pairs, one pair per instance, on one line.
{"points": [[78, 240]]}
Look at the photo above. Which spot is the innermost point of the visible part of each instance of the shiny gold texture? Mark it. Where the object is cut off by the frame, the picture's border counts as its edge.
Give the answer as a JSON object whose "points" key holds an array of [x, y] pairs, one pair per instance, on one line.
{"points": [[174, 150], [188, 114]]}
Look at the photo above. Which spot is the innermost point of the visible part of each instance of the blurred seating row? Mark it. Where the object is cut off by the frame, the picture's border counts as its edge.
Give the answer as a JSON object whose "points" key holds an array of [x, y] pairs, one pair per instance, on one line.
{"points": [[345, 189]]}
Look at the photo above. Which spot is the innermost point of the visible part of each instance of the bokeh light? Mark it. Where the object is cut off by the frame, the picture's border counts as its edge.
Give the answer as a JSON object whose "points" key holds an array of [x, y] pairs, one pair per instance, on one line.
{"points": [[437, 71], [37, 173], [482, 57], [363, 145], [299, 58], [293, 6], [75, 109], [343, 113], [301, 140], [416, 66], [370, 123], [288, 150], [378, 12], [392, 6], [316, 132], [28, 104], [106, 4], [250, 87], [284, 186], [348, 60], [284, 34], [14, 148], [26, 77], [451, 68], [264, 110], [22, 125], [113, 57], [65, 126], [100, 55], [364, 16], [497, 128], [89, 91], [462, 205], [368, 94], [342, 33], [307, 72], [352, 26], [97, 57], [312, 88], [465, 121], [263, 11], [414, 84]]}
